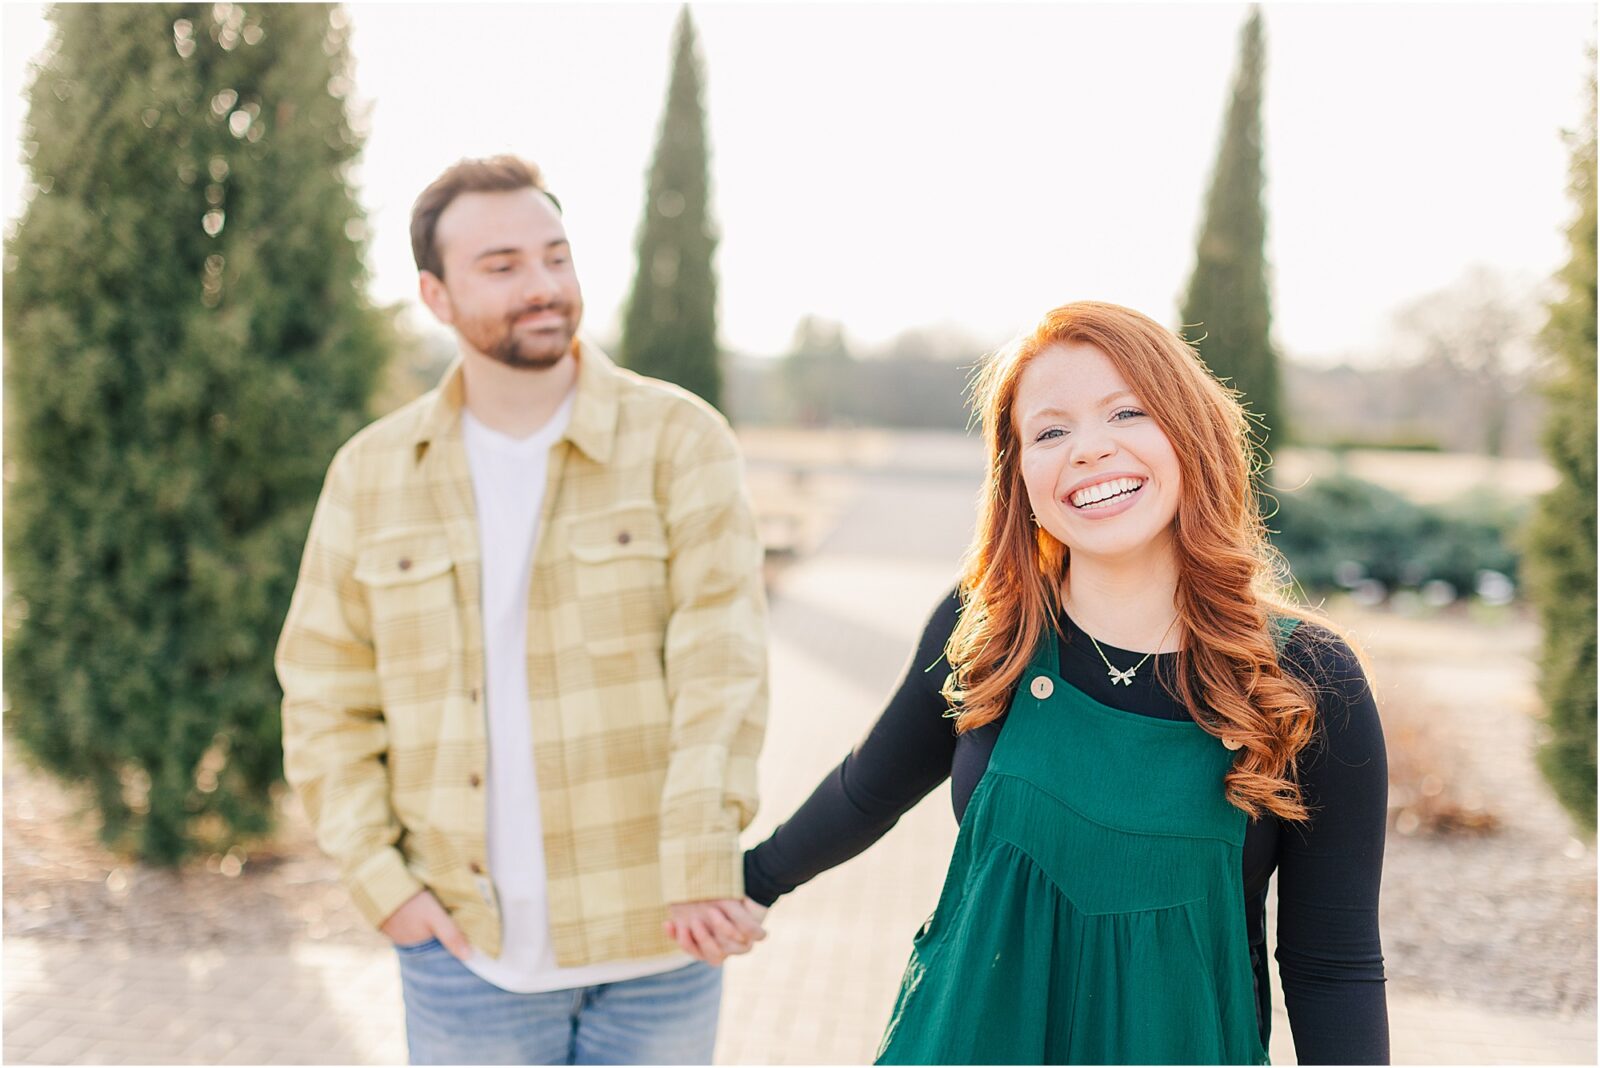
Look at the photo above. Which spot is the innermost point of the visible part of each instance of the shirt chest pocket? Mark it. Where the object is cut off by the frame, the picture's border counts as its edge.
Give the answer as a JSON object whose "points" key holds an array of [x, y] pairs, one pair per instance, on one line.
{"points": [[620, 569], [409, 578]]}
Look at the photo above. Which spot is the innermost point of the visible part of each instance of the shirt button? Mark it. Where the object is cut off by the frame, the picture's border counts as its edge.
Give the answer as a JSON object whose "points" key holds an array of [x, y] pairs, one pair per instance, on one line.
{"points": [[476, 781], [476, 868], [1232, 743], [1042, 687], [474, 695], [405, 563], [624, 538]]}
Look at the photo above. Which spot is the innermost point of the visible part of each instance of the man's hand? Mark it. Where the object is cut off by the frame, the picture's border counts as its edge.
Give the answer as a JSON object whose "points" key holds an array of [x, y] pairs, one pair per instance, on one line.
{"points": [[422, 918], [713, 931]]}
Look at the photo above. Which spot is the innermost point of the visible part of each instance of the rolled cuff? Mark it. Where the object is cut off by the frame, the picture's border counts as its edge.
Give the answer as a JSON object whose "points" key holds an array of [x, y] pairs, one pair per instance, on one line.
{"points": [[704, 868], [380, 884], [756, 886]]}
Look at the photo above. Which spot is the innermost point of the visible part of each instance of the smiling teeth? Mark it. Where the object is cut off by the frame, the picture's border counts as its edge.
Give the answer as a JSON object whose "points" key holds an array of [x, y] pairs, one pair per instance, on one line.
{"points": [[1104, 491]]}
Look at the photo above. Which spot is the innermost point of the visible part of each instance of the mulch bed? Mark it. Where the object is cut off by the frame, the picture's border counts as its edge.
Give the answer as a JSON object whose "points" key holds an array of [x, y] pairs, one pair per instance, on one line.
{"points": [[60, 883]]}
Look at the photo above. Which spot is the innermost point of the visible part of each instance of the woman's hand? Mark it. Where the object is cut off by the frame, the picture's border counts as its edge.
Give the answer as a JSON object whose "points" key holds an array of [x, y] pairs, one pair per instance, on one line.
{"points": [[713, 931]]}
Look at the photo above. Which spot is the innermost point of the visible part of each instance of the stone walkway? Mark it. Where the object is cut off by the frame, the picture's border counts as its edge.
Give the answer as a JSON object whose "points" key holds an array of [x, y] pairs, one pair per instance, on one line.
{"points": [[818, 991]]}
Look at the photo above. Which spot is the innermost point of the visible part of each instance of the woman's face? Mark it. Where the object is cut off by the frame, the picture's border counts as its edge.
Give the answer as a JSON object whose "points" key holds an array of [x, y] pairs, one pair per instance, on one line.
{"points": [[1102, 477]]}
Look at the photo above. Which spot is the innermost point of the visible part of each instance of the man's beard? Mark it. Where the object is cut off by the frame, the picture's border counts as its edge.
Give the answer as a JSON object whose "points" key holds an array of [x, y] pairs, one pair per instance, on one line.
{"points": [[514, 349]]}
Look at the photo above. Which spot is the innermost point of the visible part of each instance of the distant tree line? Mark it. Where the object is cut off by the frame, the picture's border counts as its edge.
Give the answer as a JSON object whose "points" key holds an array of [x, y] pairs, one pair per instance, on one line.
{"points": [[919, 381]]}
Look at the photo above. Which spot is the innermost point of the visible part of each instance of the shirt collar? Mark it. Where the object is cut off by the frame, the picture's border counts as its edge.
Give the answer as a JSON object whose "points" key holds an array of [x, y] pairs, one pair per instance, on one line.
{"points": [[593, 427]]}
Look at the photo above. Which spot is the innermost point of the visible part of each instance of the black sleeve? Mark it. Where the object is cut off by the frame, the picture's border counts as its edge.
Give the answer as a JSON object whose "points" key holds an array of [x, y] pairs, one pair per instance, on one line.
{"points": [[1329, 955], [904, 756]]}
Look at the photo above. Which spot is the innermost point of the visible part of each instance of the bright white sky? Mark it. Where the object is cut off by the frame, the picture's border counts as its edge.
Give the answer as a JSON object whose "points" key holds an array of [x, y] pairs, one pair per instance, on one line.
{"points": [[903, 165]]}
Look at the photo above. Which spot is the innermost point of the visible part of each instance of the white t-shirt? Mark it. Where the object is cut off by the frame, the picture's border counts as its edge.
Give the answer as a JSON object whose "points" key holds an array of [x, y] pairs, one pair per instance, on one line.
{"points": [[508, 483]]}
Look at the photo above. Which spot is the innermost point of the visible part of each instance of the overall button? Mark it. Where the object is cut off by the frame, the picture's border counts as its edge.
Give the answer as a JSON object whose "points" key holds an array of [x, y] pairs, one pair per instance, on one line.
{"points": [[1042, 687], [1232, 744]]}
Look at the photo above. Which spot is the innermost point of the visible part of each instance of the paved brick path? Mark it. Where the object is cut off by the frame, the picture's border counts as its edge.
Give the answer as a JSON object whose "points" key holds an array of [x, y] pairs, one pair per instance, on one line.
{"points": [[817, 991], [815, 994]]}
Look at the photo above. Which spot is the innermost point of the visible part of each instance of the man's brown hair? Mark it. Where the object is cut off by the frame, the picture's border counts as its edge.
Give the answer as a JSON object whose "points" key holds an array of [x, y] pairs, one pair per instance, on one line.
{"points": [[496, 174]]}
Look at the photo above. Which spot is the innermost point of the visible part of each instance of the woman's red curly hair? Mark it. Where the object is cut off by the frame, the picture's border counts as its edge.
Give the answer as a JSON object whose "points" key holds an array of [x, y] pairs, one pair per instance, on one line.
{"points": [[1227, 674]]}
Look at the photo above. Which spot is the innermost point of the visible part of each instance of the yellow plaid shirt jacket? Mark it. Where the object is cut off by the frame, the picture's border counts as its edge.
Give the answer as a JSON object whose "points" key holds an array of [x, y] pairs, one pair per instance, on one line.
{"points": [[646, 662]]}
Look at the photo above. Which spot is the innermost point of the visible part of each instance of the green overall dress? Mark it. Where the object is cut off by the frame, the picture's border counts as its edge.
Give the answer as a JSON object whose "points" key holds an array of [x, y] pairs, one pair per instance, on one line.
{"points": [[1094, 908]]}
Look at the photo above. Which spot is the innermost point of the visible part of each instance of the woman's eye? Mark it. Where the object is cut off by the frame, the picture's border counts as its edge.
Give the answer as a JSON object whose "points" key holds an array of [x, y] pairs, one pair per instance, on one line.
{"points": [[1127, 413], [1053, 432]]}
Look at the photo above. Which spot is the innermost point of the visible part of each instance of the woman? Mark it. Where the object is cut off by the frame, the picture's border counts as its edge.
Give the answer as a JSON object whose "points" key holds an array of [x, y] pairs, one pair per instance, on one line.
{"points": [[1143, 734]]}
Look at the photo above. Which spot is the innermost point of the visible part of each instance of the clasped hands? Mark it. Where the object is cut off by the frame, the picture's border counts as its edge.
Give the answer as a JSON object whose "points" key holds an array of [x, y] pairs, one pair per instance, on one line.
{"points": [[711, 931]]}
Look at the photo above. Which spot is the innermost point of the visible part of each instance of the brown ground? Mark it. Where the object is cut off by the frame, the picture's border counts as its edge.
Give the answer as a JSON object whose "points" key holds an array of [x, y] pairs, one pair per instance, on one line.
{"points": [[1505, 915], [59, 882]]}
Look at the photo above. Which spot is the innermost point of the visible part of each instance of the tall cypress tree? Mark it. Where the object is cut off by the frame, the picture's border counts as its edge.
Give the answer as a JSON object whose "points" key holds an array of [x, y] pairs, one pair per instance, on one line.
{"points": [[1229, 302], [187, 342], [670, 329], [1561, 544]]}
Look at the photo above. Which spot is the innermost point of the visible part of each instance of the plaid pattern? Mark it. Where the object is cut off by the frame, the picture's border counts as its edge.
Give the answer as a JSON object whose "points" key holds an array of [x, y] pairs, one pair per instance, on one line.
{"points": [[646, 666]]}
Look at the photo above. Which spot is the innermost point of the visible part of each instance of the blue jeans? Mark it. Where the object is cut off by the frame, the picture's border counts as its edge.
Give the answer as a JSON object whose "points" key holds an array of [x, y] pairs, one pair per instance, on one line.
{"points": [[454, 1017]]}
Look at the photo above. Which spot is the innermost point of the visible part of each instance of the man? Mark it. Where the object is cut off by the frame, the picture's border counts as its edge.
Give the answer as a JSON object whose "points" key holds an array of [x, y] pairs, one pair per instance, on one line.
{"points": [[524, 669]]}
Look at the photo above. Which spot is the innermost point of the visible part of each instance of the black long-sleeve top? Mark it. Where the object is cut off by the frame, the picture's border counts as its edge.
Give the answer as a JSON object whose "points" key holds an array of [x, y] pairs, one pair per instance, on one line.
{"points": [[1328, 952]]}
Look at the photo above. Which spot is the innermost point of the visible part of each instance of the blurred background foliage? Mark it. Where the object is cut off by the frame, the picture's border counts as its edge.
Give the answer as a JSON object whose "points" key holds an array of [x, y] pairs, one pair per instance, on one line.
{"points": [[1343, 532], [1227, 310], [1562, 536], [670, 326], [188, 340]]}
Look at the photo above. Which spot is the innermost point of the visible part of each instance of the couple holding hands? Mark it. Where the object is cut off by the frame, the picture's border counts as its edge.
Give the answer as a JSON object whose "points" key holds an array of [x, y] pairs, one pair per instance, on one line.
{"points": [[525, 687]]}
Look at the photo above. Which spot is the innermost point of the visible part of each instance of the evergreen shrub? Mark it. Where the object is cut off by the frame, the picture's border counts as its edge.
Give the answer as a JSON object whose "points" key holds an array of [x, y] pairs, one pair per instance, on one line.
{"points": [[188, 341]]}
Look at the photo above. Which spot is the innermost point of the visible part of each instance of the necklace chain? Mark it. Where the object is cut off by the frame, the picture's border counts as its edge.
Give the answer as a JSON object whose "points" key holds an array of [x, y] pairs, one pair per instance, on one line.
{"points": [[1126, 677]]}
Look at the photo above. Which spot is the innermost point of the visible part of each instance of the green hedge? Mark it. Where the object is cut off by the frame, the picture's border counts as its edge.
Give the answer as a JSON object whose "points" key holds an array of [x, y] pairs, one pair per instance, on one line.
{"points": [[1341, 521]]}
